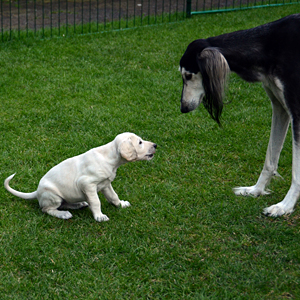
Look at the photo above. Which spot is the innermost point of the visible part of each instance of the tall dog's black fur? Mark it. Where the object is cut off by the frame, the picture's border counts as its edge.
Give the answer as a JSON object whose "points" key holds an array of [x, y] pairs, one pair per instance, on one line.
{"points": [[268, 53], [271, 49]]}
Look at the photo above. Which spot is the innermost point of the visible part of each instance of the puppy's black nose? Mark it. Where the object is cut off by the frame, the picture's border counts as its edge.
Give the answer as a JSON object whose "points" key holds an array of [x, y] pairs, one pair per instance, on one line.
{"points": [[155, 146]]}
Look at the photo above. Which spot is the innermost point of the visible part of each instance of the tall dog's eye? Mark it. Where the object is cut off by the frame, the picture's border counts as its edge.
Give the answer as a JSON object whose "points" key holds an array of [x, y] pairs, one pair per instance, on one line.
{"points": [[188, 76], [140, 142]]}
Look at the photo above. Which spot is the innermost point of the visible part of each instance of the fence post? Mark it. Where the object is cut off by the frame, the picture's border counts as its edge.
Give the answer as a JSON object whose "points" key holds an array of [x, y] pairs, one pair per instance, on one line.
{"points": [[188, 8]]}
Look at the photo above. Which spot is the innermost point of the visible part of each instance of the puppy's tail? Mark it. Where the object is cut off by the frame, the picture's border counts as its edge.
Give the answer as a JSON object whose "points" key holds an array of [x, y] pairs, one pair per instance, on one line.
{"points": [[26, 196]]}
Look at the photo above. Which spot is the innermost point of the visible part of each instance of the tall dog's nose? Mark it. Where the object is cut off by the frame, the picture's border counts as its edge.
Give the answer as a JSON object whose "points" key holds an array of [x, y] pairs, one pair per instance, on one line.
{"points": [[184, 109], [155, 146]]}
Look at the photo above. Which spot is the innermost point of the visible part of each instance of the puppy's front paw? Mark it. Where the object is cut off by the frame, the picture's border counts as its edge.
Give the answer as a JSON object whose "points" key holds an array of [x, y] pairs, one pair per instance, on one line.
{"points": [[124, 203], [101, 218]]}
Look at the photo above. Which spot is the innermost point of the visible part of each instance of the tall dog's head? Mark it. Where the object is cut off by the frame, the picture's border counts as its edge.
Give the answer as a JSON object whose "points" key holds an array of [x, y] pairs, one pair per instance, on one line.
{"points": [[204, 73]]}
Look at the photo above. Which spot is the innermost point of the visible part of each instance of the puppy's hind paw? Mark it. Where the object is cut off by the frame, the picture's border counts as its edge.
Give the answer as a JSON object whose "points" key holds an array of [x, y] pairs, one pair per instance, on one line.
{"points": [[61, 214], [66, 215], [82, 205], [124, 204], [101, 218]]}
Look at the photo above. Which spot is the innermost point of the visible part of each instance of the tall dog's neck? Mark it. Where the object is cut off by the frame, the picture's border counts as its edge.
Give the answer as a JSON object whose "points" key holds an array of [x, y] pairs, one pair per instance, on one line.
{"points": [[244, 57], [253, 52]]}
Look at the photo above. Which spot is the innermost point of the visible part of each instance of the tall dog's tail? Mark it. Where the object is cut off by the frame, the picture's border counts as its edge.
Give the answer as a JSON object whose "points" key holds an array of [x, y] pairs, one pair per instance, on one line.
{"points": [[26, 196]]}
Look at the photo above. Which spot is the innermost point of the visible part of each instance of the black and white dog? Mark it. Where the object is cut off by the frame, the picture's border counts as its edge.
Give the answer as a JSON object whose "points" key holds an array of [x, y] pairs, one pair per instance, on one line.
{"points": [[270, 54]]}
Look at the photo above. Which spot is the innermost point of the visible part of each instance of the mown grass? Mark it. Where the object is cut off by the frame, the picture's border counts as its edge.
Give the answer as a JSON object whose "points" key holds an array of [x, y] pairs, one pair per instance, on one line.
{"points": [[186, 235]]}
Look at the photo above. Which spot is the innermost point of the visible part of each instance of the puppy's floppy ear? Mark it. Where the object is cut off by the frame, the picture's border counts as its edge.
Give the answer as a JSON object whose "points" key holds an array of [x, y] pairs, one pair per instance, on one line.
{"points": [[214, 70], [127, 150]]}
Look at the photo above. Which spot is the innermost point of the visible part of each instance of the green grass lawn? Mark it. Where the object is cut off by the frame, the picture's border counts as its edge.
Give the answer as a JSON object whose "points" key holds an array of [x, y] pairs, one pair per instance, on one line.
{"points": [[186, 235]]}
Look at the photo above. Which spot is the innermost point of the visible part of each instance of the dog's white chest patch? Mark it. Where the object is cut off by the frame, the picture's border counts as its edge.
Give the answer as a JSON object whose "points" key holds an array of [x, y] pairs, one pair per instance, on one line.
{"points": [[277, 88]]}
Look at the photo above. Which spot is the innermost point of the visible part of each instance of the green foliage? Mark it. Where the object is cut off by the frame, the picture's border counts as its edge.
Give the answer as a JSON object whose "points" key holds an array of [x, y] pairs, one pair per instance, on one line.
{"points": [[186, 235]]}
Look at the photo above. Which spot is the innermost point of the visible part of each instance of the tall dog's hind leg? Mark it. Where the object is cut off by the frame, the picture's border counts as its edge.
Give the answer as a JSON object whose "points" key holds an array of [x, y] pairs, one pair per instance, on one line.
{"points": [[280, 124], [286, 206]]}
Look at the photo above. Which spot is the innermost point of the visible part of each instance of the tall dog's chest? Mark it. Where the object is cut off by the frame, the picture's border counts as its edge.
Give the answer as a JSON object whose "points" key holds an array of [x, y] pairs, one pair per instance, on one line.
{"points": [[276, 87]]}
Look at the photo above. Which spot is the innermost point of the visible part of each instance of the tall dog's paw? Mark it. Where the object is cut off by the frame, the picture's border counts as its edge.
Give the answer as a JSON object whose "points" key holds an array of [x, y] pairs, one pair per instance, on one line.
{"points": [[276, 210], [124, 203], [250, 191], [101, 218]]}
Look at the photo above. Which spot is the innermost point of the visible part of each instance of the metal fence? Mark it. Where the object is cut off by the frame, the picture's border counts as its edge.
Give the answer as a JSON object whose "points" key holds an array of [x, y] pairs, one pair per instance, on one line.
{"points": [[48, 18], [213, 6]]}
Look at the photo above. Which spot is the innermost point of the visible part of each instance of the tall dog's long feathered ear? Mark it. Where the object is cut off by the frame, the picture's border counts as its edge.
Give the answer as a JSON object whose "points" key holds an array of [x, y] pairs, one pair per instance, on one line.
{"points": [[214, 70]]}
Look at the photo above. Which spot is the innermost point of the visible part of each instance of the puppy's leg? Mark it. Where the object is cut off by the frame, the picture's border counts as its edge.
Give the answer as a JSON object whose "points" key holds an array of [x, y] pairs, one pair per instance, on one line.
{"points": [[286, 206], [113, 198], [280, 123], [79, 205], [93, 200], [50, 202]]}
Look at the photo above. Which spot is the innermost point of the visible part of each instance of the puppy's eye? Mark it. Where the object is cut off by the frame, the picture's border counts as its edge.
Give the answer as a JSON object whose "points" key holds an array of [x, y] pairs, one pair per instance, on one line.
{"points": [[188, 76], [140, 142]]}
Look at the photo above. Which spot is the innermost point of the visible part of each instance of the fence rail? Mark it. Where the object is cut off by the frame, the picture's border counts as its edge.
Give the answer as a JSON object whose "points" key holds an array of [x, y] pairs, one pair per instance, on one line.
{"points": [[213, 6], [47, 18]]}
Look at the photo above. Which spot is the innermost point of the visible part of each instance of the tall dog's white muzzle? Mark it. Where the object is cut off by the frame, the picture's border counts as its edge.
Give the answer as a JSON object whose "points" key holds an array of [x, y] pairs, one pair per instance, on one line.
{"points": [[192, 91]]}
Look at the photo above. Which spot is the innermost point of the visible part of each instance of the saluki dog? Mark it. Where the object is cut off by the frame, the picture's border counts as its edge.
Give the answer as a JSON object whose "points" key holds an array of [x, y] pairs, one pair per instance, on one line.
{"points": [[270, 54], [75, 182]]}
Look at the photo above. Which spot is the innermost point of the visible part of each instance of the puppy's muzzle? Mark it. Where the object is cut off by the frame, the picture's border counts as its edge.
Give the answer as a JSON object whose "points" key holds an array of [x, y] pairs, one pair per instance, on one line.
{"points": [[151, 155]]}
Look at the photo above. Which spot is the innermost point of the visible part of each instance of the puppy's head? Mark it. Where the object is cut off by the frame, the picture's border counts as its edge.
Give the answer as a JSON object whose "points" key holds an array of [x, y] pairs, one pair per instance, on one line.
{"points": [[204, 72], [133, 148]]}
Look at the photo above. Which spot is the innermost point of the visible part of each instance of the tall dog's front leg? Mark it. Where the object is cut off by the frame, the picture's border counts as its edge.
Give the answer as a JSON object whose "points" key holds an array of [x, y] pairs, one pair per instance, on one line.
{"points": [[113, 198], [280, 123], [286, 206]]}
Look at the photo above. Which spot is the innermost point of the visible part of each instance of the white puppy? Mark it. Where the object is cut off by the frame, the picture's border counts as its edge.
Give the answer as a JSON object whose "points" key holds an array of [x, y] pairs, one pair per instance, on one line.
{"points": [[78, 179]]}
